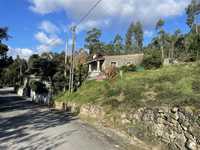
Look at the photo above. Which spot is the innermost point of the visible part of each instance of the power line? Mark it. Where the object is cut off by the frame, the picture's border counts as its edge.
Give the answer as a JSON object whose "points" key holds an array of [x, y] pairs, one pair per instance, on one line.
{"points": [[71, 77], [88, 13]]}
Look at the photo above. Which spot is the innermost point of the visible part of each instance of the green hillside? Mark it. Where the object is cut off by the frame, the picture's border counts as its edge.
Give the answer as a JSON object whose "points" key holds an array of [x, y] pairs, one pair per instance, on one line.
{"points": [[173, 85]]}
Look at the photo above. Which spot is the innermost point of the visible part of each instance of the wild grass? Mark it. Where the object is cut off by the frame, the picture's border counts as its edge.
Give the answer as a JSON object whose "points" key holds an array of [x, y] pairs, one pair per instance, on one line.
{"points": [[173, 85]]}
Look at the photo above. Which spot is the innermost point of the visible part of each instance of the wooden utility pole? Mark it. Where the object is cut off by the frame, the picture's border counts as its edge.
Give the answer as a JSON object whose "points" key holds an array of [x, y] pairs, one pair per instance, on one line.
{"points": [[66, 60], [71, 78], [73, 29], [66, 57], [197, 32]]}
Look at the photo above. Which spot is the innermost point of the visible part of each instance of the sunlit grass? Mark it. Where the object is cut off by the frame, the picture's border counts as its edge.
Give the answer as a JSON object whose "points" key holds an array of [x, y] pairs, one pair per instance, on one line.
{"points": [[173, 85]]}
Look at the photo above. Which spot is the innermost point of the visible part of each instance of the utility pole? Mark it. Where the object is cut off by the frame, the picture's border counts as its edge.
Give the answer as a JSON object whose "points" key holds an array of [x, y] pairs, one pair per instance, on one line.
{"points": [[197, 32], [71, 78], [66, 59], [73, 29]]}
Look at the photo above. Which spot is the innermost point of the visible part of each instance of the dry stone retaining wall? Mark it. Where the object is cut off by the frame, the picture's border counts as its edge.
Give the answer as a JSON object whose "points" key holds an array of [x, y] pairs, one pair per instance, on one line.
{"points": [[176, 127]]}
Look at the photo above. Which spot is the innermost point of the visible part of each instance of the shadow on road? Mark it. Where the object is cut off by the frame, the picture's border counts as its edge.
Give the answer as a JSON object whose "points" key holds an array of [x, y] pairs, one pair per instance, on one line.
{"points": [[29, 124]]}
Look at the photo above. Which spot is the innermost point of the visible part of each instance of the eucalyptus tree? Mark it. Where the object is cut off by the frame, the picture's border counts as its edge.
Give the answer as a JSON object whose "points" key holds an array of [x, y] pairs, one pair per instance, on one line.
{"points": [[118, 44], [174, 38], [161, 33], [193, 14], [129, 38], [138, 35]]}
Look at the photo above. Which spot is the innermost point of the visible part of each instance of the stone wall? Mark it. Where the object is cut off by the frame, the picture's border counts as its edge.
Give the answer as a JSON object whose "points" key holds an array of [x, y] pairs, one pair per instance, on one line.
{"points": [[179, 128], [122, 60], [176, 128]]}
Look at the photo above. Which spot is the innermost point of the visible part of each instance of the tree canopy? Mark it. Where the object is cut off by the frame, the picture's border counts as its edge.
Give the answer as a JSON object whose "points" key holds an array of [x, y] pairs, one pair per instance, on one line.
{"points": [[93, 41]]}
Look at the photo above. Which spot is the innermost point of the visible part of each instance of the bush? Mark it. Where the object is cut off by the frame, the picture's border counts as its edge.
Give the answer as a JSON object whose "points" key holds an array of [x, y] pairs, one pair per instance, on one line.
{"points": [[196, 86], [38, 87], [152, 61], [131, 68], [16, 87], [110, 72]]}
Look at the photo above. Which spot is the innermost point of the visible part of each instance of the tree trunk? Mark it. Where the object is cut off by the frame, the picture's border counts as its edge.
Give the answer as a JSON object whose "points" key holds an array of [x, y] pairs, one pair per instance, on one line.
{"points": [[162, 53], [172, 54]]}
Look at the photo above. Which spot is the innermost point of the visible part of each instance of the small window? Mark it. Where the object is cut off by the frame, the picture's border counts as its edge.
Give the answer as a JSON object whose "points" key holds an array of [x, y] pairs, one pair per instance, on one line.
{"points": [[129, 63], [113, 63]]}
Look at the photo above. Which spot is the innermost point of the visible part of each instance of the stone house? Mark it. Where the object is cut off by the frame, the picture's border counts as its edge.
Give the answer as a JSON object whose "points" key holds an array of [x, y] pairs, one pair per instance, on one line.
{"points": [[99, 63]]}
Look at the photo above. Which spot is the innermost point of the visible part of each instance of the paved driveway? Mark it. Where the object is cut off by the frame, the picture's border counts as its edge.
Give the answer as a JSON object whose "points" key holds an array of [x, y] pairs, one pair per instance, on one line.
{"points": [[26, 126]]}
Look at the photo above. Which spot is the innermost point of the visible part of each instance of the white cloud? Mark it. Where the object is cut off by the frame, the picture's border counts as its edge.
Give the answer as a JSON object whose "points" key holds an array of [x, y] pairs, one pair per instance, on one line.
{"points": [[47, 37], [149, 33], [47, 42], [24, 53], [43, 48], [42, 37], [93, 23], [148, 11], [49, 27], [85, 26]]}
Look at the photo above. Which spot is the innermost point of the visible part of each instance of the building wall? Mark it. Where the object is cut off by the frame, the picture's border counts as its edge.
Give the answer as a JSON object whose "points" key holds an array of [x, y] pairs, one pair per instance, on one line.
{"points": [[122, 60]]}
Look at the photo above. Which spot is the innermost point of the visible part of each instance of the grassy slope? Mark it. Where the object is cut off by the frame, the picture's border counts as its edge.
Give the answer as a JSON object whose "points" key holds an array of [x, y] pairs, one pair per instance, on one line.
{"points": [[174, 85]]}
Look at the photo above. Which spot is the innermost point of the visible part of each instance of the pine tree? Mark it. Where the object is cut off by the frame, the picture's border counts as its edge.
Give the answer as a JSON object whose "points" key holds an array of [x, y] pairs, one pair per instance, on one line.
{"points": [[93, 41]]}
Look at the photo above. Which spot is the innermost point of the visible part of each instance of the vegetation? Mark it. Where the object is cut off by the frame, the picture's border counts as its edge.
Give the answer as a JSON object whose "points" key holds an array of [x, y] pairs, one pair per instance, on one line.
{"points": [[174, 85], [93, 41], [152, 60], [134, 38], [129, 68], [175, 46], [38, 87], [13, 75], [54, 68], [5, 61]]}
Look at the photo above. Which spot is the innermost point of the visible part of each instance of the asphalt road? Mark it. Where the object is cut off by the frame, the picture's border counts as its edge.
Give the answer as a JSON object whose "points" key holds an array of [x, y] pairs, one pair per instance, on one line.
{"points": [[26, 126]]}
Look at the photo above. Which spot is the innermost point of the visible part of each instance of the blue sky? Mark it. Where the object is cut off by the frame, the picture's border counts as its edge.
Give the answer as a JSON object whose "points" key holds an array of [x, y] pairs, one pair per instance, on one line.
{"points": [[42, 25]]}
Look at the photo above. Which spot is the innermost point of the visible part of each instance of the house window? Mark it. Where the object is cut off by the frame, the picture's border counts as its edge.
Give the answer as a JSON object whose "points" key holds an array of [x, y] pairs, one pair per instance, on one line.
{"points": [[113, 64], [129, 63]]}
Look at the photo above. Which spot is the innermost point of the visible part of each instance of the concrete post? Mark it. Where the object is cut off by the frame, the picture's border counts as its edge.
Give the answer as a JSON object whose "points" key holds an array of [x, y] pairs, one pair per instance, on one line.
{"points": [[98, 66], [90, 68]]}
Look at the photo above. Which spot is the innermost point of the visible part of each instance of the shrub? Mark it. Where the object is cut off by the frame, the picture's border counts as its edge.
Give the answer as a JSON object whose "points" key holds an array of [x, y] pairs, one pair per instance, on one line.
{"points": [[139, 69], [16, 87], [38, 87], [110, 72], [131, 68], [196, 86], [152, 61]]}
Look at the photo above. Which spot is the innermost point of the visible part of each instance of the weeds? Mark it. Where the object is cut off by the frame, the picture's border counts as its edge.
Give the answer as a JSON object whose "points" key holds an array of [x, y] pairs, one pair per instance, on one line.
{"points": [[179, 85]]}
